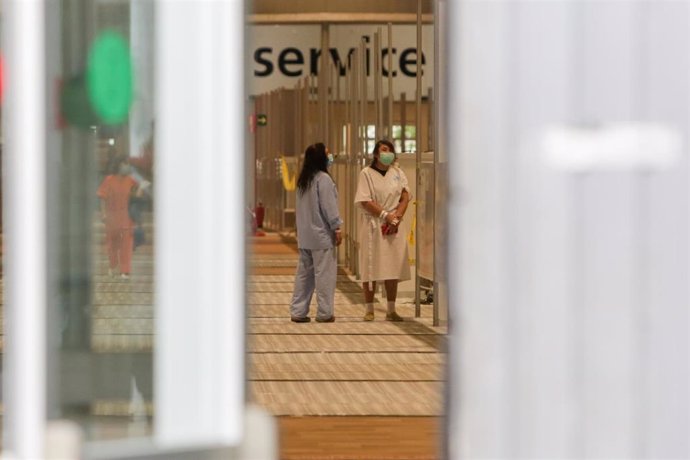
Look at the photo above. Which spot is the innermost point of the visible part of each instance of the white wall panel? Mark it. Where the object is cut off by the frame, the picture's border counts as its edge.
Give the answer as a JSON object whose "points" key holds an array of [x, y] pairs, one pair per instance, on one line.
{"points": [[199, 366], [570, 324], [666, 355], [541, 234]]}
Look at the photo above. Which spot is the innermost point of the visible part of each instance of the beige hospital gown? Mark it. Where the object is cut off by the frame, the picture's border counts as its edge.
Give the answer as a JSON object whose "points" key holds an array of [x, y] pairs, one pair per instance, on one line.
{"points": [[381, 257]]}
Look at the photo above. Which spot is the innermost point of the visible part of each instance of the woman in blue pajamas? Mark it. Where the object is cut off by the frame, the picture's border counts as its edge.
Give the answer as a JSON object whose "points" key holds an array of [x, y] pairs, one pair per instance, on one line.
{"points": [[318, 233]]}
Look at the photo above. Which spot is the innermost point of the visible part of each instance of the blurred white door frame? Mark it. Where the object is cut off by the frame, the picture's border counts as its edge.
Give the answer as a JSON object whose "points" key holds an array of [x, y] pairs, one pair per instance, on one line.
{"points": [[569, 313], [24, 229], [200, 252], [200, 263]]}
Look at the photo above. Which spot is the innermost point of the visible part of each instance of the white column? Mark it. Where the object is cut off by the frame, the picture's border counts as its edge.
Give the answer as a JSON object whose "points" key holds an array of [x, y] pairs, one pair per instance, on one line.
{"points": [[24, 228], [200, 271], [570, 307]]}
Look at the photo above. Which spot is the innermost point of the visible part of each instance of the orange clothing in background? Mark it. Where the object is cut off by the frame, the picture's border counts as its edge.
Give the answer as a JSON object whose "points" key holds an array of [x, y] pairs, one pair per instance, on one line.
{"points": [[120, 245], [115, 191]]}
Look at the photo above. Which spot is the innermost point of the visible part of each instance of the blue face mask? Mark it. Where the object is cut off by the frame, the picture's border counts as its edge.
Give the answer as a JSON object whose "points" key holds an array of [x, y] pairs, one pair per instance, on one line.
{"points": [[330, 159]]}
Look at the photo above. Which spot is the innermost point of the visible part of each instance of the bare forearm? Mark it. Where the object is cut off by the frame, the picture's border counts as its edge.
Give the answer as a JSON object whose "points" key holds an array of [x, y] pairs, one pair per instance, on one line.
{"points": [[379, 211], [404, 202], [373, 208]]}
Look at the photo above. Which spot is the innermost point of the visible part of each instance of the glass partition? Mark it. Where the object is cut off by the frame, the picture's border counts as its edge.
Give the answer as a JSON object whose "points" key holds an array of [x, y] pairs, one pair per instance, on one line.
{"points": [[101, 246]]}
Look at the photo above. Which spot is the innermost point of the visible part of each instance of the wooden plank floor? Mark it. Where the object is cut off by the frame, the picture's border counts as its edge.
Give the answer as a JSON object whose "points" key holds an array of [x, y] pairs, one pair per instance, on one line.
{"points": [[344, 391], [359, 438], [368, 390]]}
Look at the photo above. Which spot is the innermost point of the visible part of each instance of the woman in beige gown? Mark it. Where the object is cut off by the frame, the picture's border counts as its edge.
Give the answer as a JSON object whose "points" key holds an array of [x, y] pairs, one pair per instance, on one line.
{"points": [[383, 194]]}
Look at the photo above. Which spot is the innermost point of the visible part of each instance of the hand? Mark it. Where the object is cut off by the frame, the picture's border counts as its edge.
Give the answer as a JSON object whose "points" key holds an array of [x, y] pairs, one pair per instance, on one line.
{"points": [[392, 218], [338, 237], [142, 188]]}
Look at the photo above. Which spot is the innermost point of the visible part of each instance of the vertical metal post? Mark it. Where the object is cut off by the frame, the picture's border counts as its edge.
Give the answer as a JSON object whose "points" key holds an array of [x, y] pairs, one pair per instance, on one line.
{"points": [[348, 149], [301, 119], [298, 117], [356, 133], [439, 223], [364, 101], [278, 115], [354, 118], [305, 113], [314, 107], [280, 196], [403, 119], [417, 307], [258, 155], [271, 159], [378, 107], [391, 98], [431, 102], [277, 136], [324, 79], [332, 138], [277, 222], [344, 116], [272, 156], [268, 166], [353, 104], [338, 113]]}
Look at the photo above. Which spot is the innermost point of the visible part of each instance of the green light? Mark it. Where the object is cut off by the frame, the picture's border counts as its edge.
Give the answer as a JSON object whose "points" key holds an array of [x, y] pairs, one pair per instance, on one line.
{"points": [[109, 78]]}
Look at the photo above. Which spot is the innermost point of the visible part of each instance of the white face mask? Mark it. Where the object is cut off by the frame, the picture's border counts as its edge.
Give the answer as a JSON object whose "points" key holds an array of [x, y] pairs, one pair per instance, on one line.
{"points": [[330, 159], [387, 158]]}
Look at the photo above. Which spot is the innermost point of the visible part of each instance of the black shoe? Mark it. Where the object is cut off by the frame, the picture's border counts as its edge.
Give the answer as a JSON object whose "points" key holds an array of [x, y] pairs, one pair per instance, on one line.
{"points": [[327, 320], [394, 317], [306, 319]]}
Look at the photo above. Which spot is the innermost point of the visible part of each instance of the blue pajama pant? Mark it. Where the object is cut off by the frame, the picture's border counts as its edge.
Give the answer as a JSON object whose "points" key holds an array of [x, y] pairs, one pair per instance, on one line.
{"points": [[317, 271]]}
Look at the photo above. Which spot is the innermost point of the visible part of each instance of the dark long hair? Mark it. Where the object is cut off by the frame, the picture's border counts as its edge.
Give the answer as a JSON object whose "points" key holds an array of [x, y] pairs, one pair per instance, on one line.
{"points": [[385, 142], [315, 160]]}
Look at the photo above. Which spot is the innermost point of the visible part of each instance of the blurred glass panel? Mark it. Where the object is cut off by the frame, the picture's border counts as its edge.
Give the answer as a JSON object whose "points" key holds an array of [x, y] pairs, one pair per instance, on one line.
{"points": [[410, 131], [101, 223], [397, 131], [2, 246], [410, 146]]}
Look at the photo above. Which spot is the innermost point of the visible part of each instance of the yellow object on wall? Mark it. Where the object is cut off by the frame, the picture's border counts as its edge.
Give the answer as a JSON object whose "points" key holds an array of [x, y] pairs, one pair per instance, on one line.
{"points": [[411, 236], [289, 183], [413, 227]]}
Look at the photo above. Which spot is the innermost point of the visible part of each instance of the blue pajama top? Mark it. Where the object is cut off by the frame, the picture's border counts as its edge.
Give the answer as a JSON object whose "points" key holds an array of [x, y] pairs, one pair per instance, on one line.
{"points": [[317, 214]]}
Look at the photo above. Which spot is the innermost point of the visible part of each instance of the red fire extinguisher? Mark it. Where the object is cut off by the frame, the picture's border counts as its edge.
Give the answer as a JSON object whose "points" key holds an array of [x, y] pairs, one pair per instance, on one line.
{"points": [[259, 212]]}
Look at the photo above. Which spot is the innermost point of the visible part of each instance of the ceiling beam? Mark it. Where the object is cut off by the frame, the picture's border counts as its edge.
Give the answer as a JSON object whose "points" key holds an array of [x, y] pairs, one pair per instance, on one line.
{"points": [[337, 18]]}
